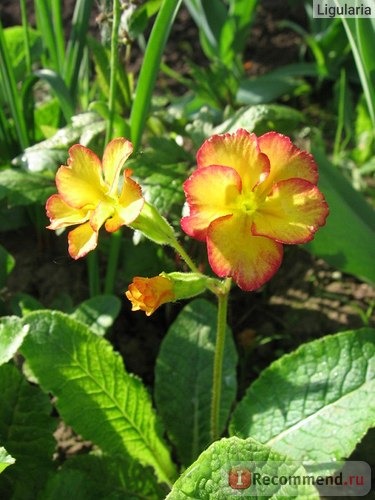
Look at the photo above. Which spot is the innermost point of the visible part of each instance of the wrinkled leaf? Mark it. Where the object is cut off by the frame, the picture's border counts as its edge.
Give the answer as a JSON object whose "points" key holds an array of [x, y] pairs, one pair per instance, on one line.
{"points": [[49, 154], [23, 188], [95, 395], [210, 477], [305, 402], [261, 119]]}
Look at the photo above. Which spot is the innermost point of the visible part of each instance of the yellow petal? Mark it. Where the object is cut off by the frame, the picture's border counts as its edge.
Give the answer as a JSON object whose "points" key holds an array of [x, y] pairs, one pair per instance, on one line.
{"points": [[102, 212], [211, 192], [114, 157], [129, 205], [234, 251], [292, 213], [80, 183], [82, 240], [62, 215], [239, 151], [286, 160]]}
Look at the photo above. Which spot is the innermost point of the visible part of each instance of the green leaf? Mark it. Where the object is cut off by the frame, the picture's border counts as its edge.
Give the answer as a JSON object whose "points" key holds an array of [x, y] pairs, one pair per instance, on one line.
{"points": [[23, 303], [316, 403], [22, 188], [12, 334], [161, 170], [99, 313], [361, 34], [266, 88], [347, 240], [184, 401], [95, 395], [262, 118], [74, 55], [49, 154], [15, 42], [141, 16], [364, 135], [243, 12], [102, 477], [58, 88], [26, 428], [5, 459], [209, 15], [7, 263], [150, 68], [209, 478]]}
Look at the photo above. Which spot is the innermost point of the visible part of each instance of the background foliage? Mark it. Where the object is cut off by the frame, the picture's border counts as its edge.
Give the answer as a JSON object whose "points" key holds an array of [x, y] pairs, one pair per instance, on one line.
{"points": [[167, 74]]}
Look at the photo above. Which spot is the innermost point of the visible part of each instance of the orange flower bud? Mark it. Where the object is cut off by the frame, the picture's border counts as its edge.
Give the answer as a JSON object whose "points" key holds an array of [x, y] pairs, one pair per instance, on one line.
{"points": [[147, 294]]}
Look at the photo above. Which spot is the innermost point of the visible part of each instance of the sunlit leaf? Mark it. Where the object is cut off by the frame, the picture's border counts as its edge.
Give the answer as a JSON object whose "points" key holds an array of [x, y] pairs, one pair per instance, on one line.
{"points": [[305, 402], [5, 459], [95, 394], [12, 333], [211, 476]]}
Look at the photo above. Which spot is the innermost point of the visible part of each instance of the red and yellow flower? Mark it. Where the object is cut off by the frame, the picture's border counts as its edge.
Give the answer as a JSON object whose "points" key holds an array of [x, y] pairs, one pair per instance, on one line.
{"points": [[248, 196], [147, 294], [89, 195]]}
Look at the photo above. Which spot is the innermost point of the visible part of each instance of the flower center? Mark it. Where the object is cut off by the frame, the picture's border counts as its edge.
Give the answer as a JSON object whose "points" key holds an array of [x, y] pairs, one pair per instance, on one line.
{"points": [[248, 203]]}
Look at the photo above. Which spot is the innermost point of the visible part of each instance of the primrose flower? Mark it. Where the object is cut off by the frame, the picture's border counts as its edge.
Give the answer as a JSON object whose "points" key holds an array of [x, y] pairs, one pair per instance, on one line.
{"points": [[247, 197], [89, 195], [147, 294]]}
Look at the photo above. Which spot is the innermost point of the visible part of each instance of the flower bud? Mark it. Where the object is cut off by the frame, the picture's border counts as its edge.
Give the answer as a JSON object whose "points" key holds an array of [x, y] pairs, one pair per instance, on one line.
{"points": [[147, 294]]}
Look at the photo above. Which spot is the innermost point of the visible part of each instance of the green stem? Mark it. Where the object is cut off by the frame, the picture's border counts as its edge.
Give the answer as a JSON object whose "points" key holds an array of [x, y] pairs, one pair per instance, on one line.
{"points": [[26, 37], [182, 252], [113, 69], [93, 272], [223, 296], [115, 244], [150, 68], [114, 252]]}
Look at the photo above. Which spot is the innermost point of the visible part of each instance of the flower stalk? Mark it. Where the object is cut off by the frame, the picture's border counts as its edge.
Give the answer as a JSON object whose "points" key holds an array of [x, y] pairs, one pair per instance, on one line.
{"points": [[222, 296]]}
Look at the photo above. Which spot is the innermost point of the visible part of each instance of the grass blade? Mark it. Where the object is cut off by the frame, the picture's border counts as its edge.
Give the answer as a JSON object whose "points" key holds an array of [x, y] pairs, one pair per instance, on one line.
{"points": [[76, 44], [45, 27], [59, 33], [361, 36], [8, 84], [26, 35], [150, 68]]}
